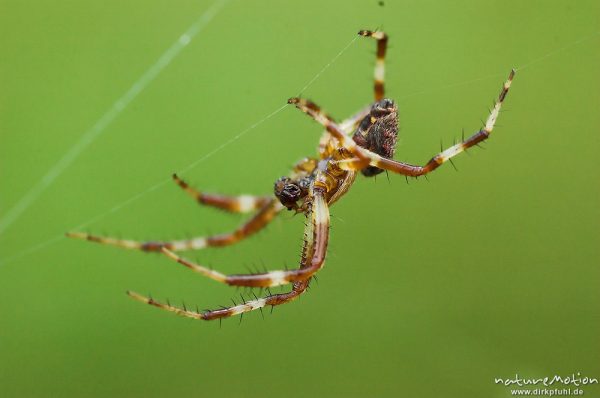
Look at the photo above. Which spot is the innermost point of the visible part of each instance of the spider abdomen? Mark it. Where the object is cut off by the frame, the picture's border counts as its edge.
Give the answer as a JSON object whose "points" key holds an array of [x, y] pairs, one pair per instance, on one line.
{"points": [[378, 132]]}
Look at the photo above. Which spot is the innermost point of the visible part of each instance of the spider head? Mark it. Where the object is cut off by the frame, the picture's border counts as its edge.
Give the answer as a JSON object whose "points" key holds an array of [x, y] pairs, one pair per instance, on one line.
{"points": [[378, 132], [289, 192]]}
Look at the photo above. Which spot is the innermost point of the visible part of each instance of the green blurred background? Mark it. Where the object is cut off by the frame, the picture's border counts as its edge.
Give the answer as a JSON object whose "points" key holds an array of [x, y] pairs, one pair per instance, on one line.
{"points": [[431, 289]]}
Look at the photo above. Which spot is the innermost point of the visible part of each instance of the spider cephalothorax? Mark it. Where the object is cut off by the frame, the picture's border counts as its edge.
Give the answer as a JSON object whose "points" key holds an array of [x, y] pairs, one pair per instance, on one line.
{"points": [[365, 142]]}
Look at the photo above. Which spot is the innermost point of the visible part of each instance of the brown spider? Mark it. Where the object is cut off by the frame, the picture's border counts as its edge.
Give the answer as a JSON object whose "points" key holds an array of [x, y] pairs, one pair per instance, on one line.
{"points": [[312, 186]]}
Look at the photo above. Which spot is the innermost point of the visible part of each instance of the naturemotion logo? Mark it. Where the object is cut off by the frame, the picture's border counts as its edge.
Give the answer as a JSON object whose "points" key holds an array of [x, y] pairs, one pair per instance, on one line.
{"points": [[575, 380], [564, 385]]}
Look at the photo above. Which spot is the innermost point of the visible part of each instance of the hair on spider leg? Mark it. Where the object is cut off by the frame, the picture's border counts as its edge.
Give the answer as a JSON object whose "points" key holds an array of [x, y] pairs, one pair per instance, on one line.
{"points": [[337, 218], [452, 163], [262, 314], [264, 266], [257, 270], [245, 265]]}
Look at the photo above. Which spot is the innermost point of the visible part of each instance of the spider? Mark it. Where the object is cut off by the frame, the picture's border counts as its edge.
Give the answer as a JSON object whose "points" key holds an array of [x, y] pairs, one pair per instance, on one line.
{"points": [[363, 143]]}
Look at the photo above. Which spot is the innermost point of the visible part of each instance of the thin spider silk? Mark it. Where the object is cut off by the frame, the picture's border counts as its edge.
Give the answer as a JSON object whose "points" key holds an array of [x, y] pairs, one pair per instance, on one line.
{"points": [[146, 79]]}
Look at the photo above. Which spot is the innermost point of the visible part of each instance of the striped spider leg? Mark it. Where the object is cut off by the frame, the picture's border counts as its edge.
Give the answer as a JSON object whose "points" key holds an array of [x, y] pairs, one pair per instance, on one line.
{"points": [[374, 142], [378, 161], [265, 208], [349, 125], [316, 236], [233, 204], [379, 74]]}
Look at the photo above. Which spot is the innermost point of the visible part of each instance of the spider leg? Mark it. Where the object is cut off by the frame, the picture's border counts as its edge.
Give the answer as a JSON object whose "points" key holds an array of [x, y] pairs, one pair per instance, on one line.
{"points": [[250, 305], [314, 111], [253, 225], [317, 231], [312, 260], [234, 204], [379, 74], [415, 171], [348, 126]]}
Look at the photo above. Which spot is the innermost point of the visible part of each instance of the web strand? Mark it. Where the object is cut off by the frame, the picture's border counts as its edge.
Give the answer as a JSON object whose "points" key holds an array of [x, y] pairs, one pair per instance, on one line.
{"points": [[108, 117], [311, 81], [185, 169], [234, 138], [134, 198], [558, 50]]}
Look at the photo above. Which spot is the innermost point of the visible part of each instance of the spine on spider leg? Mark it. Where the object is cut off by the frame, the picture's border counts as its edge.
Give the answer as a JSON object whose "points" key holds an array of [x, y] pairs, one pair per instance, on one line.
{"points": [[491, 120], [476, 138], [308, 241]]}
